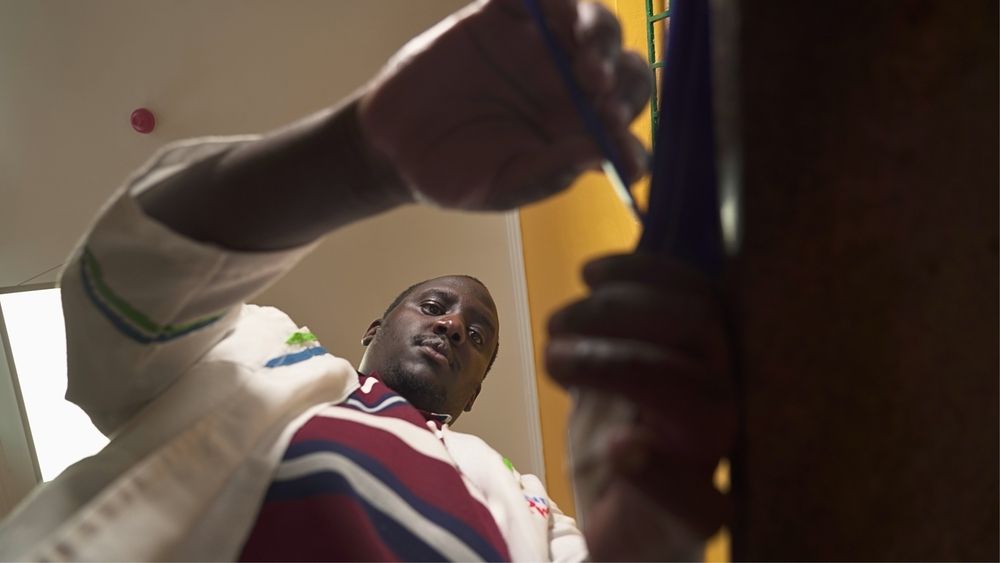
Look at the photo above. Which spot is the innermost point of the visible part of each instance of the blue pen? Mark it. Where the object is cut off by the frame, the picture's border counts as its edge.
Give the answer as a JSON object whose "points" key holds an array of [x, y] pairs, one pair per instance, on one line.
{"points": [[612, 165]]}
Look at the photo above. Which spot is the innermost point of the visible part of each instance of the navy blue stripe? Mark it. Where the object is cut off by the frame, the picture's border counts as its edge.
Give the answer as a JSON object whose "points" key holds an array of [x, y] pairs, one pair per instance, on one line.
{"points": [[379, 410], [123, 326], [456, 526], [373, 397], [404, 543], [289, 359]]}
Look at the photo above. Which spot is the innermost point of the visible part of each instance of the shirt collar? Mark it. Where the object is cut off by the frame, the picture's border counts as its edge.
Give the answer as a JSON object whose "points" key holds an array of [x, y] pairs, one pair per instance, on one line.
{"points": [[439, 418]]}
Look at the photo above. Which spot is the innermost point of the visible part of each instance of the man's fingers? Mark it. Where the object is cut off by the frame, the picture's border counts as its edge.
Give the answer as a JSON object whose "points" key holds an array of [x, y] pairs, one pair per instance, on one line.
{"points": [[614, 83], [635, 158], [680, 321], [599, 47], [545, 171], [633, 85], [648, 374], [554, 10], [649, 269], [698, 446], [693, 410], [562, 17], [618, 83], [598, 29], [687, 492]]}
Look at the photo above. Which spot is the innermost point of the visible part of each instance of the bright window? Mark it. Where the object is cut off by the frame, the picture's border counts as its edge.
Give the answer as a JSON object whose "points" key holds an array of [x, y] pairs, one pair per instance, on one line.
{"points": [[62, 433]]}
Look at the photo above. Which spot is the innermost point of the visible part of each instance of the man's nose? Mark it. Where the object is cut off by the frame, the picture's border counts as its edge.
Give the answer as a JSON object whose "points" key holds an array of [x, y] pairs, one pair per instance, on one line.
{"points": [[450, 327]]}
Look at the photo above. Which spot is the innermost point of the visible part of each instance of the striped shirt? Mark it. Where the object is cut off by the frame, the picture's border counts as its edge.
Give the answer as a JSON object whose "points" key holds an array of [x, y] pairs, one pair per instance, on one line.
{"points": [[370, 479]]}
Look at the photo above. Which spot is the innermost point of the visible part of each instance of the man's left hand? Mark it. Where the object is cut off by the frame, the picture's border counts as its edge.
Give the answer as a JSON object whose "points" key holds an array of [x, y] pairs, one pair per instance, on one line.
{"points": [[652, 332]]}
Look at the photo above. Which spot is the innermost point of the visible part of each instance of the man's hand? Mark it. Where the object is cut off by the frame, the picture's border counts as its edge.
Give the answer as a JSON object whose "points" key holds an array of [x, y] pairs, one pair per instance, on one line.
{"points": [[651, 332], [474, 115]]}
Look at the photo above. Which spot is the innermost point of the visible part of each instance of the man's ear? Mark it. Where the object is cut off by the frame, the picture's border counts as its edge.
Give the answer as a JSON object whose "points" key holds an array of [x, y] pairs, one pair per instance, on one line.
{"points": [[472, 399], [370, 333]]}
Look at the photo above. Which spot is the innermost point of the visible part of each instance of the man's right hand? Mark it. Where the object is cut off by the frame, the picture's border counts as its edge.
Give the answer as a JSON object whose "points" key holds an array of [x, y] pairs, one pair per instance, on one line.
{"points": [[474, 115]]}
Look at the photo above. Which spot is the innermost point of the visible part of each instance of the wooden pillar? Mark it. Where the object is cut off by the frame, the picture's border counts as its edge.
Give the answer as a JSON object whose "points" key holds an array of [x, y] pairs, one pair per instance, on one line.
{"points": [[867, 288]]}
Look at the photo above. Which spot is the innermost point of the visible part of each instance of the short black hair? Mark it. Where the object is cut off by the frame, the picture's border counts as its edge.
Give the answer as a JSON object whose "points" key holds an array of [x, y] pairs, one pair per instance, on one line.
{"points": [[399, 299]]}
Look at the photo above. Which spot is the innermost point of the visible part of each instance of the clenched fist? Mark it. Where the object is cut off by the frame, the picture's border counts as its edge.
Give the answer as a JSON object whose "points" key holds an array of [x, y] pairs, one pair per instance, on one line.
{"points": [[474, 115]]}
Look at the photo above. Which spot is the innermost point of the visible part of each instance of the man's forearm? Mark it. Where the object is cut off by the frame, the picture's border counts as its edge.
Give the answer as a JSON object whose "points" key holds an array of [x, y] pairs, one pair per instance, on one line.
{"points": [[287, 189]]}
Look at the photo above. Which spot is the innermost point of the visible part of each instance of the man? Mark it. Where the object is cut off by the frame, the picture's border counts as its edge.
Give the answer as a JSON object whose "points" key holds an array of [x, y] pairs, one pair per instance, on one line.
{"points": [[222, 414], [367, 480], [435, 343]]}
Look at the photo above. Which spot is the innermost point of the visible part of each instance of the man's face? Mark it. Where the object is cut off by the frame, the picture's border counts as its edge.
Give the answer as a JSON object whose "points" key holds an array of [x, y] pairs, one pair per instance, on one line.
{"points": [[435, 346]]}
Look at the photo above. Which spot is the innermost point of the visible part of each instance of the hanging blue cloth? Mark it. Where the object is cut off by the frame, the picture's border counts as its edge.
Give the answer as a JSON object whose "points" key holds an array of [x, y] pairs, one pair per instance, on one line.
{"points": [[683, 216]]}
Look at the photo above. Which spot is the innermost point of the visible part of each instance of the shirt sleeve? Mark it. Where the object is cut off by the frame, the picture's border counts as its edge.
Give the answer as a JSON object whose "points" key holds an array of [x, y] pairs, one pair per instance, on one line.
{"points": [[566, 541], [143, 303]]}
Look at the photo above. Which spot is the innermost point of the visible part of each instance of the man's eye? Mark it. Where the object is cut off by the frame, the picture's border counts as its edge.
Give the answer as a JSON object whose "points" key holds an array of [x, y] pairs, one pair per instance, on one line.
{"points": [[476, 337], [432, 308]]}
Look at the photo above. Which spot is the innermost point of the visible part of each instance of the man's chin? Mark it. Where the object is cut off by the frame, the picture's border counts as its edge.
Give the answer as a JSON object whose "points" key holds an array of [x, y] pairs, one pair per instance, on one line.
{"points": [[418, 386]]}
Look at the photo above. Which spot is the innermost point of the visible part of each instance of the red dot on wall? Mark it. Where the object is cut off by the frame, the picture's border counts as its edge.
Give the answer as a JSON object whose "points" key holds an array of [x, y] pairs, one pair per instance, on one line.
{"points": [[143, 120]]}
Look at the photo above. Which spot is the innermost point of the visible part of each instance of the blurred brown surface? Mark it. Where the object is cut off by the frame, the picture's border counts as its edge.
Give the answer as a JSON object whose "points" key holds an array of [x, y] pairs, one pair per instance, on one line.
{"points": [[867, 289]]}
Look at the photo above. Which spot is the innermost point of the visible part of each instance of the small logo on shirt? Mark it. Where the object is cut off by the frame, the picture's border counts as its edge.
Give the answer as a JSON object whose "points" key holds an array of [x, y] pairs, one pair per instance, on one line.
{"points": [[538, 504]]}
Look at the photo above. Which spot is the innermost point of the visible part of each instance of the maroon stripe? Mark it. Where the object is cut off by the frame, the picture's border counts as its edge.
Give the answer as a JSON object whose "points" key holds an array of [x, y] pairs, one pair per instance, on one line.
{"points": [[321, 528], [432, 480]]}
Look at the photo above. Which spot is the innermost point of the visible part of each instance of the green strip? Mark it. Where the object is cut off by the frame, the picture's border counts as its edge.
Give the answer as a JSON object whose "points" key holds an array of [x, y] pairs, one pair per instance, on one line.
{"points": [[657, 17], [301, 338], [654, 112], [128, 311], [508, 463]]}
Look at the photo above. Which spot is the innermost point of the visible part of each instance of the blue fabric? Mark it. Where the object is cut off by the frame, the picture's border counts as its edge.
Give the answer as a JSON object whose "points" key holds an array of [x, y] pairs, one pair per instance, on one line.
{"points": [[289, 359], [683, 217]]}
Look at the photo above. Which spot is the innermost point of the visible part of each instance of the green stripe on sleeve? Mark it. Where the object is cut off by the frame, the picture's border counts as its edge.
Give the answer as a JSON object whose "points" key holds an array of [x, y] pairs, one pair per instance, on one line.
{"points": [[130, 313]]}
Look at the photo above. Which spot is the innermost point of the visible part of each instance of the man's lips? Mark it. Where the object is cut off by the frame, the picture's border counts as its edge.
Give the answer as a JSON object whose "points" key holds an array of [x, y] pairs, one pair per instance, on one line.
{"points": [[436, 350], [433, 354]]}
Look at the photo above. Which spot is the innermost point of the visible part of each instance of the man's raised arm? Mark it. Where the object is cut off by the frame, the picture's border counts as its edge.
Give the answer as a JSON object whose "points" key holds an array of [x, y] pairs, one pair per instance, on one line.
{"points": [[472, 114], [282, 190], [469, 115]]}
